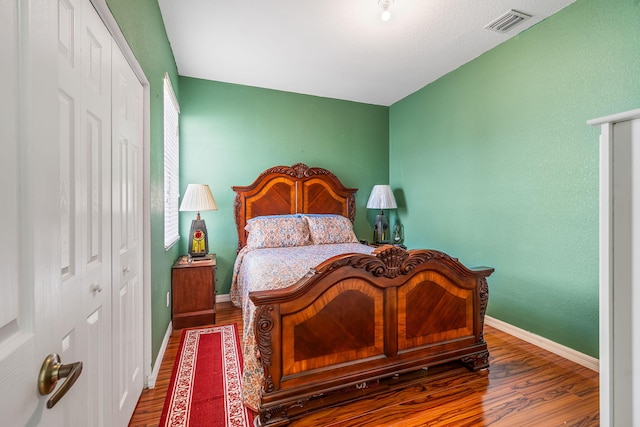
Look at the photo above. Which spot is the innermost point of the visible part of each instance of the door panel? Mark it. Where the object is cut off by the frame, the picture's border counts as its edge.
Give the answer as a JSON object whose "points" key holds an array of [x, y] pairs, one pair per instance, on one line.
{"points": [[29, 189], [84, 66], [56, 260], [72, 197], [17, 352], [95, 161], [127, 238], [74, 401], [9, 108], [97, 378]]}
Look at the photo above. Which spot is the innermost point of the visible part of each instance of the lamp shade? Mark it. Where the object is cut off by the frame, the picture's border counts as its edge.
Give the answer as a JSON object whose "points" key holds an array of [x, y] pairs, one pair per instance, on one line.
{"points": [[198, 198], [381, 198]]}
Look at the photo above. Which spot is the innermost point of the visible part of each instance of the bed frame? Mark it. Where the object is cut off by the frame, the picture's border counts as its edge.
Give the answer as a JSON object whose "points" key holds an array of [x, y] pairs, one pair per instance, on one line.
{"points": [[293, 189], [355, 322]]}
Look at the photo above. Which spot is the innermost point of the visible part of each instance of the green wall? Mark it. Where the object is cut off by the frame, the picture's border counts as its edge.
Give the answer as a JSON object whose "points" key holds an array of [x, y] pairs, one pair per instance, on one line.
{"points": [[230, 133], [142, 25], [496, 165], [492, 163]]}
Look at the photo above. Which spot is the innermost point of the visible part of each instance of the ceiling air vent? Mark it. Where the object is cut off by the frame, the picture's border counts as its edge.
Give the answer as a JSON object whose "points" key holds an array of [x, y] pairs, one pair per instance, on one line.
{"points": [[507, 21]]}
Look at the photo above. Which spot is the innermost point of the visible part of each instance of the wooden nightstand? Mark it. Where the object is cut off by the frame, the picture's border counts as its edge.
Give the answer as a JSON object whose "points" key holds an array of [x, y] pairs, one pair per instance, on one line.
{"points": [[193, 288], [377, 245]]}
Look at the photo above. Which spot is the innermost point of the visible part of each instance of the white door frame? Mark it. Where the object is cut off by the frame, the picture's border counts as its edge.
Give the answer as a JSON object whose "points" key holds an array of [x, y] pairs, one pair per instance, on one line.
{"points": [[619, 274], [113, 27]]}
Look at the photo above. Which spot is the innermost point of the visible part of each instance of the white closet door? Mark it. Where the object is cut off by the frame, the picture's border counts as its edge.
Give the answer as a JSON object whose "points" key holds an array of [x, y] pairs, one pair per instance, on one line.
{"points": [[18, 355], [51, 251], [127, 351], [56, 187], [85, 193]]}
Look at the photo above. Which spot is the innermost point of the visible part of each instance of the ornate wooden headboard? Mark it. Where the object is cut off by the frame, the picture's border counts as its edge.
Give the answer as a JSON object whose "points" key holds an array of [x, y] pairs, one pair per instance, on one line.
{"points": [[292, 189]]}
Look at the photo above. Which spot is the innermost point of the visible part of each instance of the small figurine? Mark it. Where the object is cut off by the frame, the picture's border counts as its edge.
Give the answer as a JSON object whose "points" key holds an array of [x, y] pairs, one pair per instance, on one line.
{"points": [[398, 233]]}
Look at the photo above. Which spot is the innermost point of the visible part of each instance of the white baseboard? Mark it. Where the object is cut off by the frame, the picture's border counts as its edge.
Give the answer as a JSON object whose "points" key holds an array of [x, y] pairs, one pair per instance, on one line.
{"points": [[223, 298], [151, 379], [559, 349]]}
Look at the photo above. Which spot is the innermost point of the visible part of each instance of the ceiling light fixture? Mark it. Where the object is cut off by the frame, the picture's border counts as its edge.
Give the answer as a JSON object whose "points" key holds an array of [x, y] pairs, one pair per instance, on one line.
{"points": [[386, 14]]}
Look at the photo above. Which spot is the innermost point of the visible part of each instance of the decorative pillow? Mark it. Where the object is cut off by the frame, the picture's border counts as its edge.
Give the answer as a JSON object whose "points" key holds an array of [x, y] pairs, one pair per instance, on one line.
{"points": [[277, 231], [330, 229]]}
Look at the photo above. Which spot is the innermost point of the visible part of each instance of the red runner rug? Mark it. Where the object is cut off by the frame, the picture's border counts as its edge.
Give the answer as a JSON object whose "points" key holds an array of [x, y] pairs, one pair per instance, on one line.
{"points": [[205, 388]]}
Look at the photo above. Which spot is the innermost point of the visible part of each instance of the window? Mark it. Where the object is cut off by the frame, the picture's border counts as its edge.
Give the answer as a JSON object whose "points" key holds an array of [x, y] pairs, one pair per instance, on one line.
{"points": [[171, 164]]}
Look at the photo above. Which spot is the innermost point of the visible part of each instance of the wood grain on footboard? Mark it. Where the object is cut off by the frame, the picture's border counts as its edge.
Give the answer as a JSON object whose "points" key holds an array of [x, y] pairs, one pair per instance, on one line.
{"points": [[357, 320]]}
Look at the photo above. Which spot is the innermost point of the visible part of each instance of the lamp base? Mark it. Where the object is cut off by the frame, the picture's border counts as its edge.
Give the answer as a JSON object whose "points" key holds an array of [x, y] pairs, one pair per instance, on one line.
{"points": [[198, 239], [381, 229]]}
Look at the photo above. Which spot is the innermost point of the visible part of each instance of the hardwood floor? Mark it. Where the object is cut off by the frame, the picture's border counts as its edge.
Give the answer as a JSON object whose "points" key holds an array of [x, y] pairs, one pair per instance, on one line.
{"points": [[149, 408], [525, 386]]}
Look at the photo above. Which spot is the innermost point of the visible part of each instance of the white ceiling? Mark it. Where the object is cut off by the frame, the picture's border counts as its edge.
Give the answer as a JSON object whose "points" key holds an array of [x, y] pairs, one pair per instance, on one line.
{"points": [[337, 48]]}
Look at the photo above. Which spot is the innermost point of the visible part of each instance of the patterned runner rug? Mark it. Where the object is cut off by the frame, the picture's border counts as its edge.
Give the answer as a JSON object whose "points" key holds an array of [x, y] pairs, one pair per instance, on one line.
{"points": [[206, 381]]}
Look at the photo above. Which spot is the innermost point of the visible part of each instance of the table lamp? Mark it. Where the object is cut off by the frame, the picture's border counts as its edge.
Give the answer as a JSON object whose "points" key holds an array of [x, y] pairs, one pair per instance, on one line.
{"points": [[381, 198], [198, 198]]}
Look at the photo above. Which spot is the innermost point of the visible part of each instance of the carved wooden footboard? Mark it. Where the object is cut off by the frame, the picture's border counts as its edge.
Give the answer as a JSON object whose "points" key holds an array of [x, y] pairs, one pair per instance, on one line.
{"points": [[355, 319]]}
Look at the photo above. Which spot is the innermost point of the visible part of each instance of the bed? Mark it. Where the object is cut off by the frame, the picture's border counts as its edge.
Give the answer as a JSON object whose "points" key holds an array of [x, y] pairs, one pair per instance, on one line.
{"points": [[339, 319]]}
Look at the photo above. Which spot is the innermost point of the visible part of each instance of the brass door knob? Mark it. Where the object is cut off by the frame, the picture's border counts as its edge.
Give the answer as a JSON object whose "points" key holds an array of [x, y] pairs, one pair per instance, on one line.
{"points": [[51, 371]]}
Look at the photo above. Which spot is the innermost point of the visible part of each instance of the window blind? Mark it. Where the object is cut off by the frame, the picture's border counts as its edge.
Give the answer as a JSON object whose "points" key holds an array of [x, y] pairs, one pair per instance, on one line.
{"points": [[171, 164]]}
